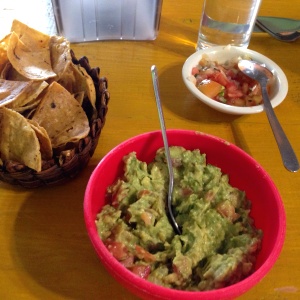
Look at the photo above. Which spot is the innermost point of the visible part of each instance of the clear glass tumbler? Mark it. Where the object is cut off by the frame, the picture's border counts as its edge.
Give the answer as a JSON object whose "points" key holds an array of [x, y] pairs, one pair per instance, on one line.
{"points": [[227, 22]]}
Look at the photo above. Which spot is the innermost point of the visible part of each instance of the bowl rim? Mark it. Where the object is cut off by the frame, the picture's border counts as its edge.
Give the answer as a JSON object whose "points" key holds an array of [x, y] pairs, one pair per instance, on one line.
{"points": [[193, 59], [131, 281]]}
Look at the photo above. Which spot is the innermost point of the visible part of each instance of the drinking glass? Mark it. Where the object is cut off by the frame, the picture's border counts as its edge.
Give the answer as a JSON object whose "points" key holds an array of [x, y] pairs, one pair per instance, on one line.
{"points": [[227, 22]]}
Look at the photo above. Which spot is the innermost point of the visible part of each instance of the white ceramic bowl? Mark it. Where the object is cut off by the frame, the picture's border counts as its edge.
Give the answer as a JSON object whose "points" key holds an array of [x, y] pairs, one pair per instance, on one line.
{"points": [[224, 53]]}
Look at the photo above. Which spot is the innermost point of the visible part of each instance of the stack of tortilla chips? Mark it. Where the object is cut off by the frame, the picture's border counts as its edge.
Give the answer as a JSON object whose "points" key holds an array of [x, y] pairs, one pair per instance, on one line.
{"points": [[41, 96]]}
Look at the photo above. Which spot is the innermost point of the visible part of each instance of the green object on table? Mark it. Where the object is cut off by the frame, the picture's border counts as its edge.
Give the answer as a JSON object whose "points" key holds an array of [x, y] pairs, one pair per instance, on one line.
{"points": [[277, 24]]}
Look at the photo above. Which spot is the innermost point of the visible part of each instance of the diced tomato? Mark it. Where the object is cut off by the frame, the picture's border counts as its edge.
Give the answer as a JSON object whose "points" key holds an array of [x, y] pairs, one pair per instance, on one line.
{"points": [[114, 197], [235, 94], [210, 88], [141, 270], [182, 266], [142, 253], [195, 71], [227, 210], [246, 268], [209, 196], [128, 262], [186, 191], [233, 91], [231, 73], [231, 86], [143, 193], [220, 78], [254, 246], [117, 249]]}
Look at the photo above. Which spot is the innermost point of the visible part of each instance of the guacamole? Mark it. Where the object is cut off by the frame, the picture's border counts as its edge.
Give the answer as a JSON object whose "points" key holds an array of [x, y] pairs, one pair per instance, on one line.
{"points": [[218, 244]]}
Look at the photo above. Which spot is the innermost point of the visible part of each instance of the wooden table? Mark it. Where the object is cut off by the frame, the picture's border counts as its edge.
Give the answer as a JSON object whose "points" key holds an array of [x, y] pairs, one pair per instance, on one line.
{"points": [[44, 248]]}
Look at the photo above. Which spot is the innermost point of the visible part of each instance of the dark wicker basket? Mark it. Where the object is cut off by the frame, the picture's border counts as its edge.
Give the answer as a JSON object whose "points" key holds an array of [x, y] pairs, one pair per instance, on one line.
{"points": [[65, 164]]}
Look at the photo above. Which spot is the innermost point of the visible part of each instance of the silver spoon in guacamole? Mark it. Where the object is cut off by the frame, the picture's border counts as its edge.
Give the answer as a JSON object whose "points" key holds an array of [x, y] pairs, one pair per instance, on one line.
{"points": [[167, 150]]}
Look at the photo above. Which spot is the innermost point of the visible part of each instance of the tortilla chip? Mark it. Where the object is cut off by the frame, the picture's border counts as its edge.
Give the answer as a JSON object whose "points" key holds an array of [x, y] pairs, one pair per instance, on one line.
{"points": [[30, 58], [85, 83], [29, 95], [60, 54], [5, 70], [14, 94], [28, 113], [79, 97], [9, 73], [30, 36], [72, 77], [3, 52], [25, 110], [18, 141], [44, 140], [9, 90], [62, 116]]}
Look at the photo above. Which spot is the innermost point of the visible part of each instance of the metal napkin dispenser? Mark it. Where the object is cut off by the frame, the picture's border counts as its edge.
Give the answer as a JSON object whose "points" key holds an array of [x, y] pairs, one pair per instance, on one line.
{"points": [[95, 20]]}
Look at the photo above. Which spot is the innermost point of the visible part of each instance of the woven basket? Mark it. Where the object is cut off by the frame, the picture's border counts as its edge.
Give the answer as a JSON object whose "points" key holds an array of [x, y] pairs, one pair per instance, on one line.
{"points": [[65, 164]]}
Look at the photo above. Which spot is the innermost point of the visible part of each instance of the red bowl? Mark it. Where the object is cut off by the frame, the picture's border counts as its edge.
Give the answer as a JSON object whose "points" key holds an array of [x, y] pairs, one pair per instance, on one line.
{"points": [[244, 173]]}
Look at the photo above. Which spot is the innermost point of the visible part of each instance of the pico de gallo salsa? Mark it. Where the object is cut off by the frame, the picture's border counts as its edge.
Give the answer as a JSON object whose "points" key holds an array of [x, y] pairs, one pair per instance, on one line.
{"points": [[225, 83]]}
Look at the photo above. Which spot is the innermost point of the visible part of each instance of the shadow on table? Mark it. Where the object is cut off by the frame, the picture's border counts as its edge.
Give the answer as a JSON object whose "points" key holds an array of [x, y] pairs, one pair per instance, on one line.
{"points": [[51, 245]]}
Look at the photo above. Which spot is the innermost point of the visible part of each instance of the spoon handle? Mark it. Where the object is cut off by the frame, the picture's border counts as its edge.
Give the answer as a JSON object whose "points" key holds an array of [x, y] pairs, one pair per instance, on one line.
{"points": [[287, 153]]}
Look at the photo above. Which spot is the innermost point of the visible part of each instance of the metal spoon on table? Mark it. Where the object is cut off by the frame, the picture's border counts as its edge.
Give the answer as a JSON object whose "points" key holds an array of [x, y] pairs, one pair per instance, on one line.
{"points": [[290, 36], [167, 150], [259, 73]]}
